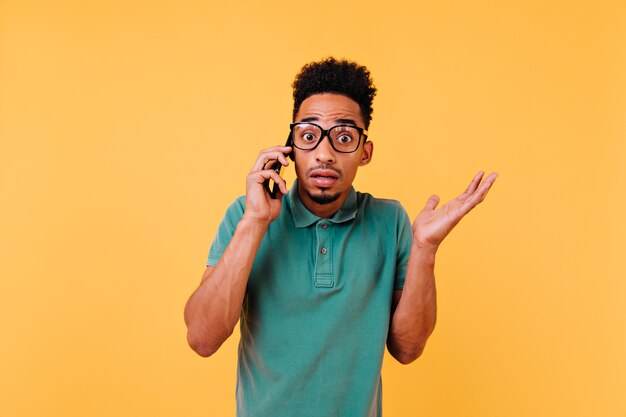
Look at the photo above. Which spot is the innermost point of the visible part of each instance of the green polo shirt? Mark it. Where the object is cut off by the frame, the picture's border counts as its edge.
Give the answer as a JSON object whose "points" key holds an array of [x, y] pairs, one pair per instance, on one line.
{"points": [[316, 313]]}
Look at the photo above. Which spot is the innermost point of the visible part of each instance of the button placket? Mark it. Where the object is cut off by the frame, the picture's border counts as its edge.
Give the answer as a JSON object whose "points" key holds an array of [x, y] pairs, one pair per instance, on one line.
{"points": [[323, 268]]}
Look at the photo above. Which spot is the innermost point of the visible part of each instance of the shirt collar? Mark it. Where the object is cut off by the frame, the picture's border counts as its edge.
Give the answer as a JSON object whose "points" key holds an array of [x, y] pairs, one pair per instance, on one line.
{"points": [[302, 217]]}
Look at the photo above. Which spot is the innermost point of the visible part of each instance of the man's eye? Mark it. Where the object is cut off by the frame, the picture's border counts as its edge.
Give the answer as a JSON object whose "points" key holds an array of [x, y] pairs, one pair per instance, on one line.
{"points": [[344, 139], [309, 137]]}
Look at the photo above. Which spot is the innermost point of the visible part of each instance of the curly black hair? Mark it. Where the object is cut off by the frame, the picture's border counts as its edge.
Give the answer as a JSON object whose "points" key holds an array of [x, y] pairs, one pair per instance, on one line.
{"points": [[335, 76]]}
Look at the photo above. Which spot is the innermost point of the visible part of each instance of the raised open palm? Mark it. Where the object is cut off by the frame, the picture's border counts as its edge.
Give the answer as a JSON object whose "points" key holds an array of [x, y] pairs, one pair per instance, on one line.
{"points": [[433, 224]]}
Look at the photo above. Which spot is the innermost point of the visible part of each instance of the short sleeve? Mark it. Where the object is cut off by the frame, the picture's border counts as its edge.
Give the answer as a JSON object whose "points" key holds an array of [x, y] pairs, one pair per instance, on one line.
{"points": [[225, 232], [405, 239]]}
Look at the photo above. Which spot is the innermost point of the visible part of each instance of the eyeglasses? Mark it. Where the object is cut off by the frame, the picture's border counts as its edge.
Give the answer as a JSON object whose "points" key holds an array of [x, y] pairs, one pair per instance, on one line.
{"points": [[343, 138]]}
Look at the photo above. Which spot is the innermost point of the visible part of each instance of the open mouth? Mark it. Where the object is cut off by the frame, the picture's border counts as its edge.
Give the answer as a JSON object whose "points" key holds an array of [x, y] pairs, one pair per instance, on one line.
{"points": [[324, 178], [324, 182]]}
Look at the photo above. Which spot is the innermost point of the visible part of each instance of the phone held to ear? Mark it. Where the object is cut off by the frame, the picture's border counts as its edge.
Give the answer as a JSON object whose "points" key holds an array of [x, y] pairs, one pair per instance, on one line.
{"points": [[277, 167], [273, 190]]}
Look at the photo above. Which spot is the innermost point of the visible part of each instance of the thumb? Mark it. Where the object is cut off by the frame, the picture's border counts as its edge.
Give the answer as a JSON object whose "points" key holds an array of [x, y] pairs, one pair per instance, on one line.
{"points": [[432, 202]]}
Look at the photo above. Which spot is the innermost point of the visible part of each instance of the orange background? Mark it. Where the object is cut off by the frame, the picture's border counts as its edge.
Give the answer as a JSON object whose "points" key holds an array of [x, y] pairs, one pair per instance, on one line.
{"points": [[126, 129]]}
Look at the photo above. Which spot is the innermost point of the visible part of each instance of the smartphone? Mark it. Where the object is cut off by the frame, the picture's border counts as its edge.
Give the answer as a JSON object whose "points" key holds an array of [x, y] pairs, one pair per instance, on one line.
{"points": [[277, 167], [274, 189]]}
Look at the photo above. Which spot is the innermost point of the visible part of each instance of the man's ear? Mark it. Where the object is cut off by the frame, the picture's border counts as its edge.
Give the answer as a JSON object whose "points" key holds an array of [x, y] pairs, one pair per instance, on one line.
{"points": [[368, 151]]}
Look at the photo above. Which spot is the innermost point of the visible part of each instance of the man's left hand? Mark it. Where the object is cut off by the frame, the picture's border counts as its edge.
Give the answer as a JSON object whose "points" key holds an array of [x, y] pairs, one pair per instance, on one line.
{"points": [[433, 224]]}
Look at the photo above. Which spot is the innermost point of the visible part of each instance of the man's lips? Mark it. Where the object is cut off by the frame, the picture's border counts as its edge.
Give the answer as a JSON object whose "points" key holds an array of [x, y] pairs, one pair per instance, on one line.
{"points": [[327, 173], [324, 177]]}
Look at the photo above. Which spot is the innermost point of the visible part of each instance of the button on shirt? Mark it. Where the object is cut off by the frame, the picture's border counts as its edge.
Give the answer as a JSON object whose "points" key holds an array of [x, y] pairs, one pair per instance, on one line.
{"points": [[317, 308]]}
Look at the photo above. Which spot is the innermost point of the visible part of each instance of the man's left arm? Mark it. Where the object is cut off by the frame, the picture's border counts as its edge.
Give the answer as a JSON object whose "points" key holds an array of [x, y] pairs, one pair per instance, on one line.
{"points": [[414, 308]]}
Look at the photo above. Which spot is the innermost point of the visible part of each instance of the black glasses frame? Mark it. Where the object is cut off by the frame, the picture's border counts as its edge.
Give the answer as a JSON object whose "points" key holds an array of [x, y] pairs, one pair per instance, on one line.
{"points": [[362, 133]]}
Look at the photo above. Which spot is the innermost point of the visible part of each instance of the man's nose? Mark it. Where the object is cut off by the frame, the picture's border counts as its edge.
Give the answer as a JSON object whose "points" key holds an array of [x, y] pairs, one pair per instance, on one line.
{"points": [[324, 152]]}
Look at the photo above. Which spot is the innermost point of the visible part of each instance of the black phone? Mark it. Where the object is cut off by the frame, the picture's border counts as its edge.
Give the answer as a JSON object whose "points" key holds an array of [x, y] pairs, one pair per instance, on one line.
{"points": [[277, 167]]}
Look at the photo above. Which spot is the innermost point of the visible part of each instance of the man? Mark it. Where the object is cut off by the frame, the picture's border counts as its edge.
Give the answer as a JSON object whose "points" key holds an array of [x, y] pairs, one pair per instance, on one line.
{"points": [[321, 277]]}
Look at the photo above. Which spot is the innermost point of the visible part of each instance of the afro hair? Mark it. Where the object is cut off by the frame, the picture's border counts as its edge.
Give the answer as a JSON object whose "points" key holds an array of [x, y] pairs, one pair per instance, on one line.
{"points": [[339, 77]]}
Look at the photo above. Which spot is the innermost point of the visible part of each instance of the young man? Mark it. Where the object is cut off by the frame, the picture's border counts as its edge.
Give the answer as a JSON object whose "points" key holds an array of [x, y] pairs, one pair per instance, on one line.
{"points": [[321, 277]]}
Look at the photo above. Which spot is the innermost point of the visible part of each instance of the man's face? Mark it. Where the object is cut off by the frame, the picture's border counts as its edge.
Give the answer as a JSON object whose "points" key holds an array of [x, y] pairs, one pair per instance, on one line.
{"points": [[325, 175]]}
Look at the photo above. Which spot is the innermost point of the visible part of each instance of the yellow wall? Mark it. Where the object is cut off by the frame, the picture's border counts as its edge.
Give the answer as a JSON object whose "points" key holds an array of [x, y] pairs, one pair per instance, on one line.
{"points": [[126, 128]]}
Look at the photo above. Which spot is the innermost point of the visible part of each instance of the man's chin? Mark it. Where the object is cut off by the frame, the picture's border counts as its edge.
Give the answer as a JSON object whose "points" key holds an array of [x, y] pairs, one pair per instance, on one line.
{"points": [[323, 197]]}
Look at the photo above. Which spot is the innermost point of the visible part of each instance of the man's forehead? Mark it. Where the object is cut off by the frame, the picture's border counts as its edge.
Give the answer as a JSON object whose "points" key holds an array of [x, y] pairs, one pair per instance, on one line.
{"points": [[330, 106]]}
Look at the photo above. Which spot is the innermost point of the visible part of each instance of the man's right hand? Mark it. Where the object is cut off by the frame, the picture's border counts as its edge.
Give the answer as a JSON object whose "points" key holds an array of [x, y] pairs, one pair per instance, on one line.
{"points": [[259, 205]]}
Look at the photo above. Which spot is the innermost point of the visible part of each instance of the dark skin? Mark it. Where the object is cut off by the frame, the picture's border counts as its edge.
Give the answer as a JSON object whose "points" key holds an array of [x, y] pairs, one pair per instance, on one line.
{"points": [[215, 307]]}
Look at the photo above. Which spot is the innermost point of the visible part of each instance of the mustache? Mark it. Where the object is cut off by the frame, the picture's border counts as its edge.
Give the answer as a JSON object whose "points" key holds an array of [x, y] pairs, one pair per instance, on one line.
{"points": [[338, 171]]}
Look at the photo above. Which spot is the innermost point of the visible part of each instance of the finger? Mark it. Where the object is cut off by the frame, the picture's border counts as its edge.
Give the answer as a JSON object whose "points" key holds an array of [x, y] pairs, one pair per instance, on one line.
{"points": [[272, 163], [282, 159], [281, 148], [473, 185], [491, 178], [432, 202], [278, 198], [269, 157], [261, 176], [487, 183], [276, 153], [280, 195], [482, 191]]}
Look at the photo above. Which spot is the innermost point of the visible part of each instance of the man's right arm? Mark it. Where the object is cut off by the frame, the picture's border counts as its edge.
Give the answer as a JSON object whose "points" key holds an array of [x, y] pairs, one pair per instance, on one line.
{"points": [[213, 310]]}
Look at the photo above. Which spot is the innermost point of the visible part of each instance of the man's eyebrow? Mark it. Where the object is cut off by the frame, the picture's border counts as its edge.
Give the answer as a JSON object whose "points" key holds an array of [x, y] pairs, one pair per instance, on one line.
{"points": [[346, 121], [339, 121]]}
